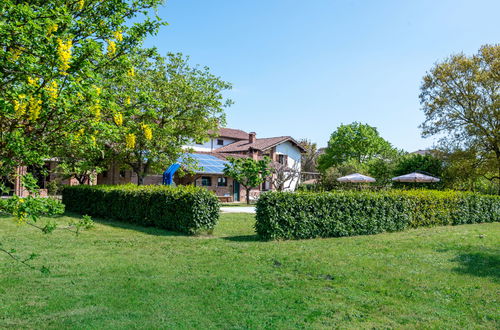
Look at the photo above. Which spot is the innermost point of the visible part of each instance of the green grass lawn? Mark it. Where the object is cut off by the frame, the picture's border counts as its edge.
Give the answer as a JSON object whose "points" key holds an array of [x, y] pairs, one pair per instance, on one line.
{"points": [[121, 276]]}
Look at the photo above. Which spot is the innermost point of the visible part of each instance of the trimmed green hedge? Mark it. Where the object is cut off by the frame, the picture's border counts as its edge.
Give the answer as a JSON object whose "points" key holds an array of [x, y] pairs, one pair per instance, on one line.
{"points": [[285, 215], [184, 209]]}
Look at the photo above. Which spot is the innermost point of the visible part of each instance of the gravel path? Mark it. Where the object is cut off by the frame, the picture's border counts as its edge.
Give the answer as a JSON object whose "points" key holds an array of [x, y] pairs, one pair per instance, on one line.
{"points": [[237, 209]]}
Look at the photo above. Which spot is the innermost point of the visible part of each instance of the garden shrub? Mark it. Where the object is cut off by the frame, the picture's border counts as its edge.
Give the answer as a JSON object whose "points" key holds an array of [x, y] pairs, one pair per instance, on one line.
{"points": [[184, 209], [31, 207], [285, 215]]}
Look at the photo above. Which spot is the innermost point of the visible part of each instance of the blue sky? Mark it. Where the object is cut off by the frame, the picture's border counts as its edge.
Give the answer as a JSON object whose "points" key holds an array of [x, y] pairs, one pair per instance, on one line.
{"points": [[302, 68]]}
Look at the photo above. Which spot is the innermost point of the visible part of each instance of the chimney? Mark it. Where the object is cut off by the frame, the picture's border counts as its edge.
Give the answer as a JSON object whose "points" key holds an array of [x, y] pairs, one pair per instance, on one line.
{"points": [[251, 137]]}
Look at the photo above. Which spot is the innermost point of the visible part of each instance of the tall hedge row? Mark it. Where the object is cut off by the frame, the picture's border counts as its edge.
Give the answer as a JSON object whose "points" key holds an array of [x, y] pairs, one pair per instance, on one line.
{"points": [[284, 215], [184, 209]]}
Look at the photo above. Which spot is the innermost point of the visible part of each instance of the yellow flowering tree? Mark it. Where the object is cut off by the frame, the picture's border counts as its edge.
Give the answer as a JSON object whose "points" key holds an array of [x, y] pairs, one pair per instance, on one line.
{"points": [[54, 56]]}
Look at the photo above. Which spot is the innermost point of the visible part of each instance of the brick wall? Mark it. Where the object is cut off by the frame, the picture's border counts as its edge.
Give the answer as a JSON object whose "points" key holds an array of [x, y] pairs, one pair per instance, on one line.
{"points": [[114, 175], [219, 191]]}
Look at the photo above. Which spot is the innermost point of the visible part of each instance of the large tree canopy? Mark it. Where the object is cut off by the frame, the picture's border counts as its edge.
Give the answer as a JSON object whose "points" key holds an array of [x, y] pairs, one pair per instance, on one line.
{"points": [[460, 98], [164, 105], [355, 141], [53, 55]]}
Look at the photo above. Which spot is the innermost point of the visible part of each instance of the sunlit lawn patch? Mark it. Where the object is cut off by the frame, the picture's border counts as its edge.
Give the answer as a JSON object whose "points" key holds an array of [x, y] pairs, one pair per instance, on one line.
{"points": [[119, 275]]}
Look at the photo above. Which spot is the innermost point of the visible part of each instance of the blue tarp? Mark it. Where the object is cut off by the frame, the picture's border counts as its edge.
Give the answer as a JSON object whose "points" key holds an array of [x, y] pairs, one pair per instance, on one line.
{"points": [[168, 175]]}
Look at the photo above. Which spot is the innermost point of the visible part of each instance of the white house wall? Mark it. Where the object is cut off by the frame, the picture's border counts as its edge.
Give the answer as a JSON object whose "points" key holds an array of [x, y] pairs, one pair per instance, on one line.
{"points": [[209, 145], [294, 160]]}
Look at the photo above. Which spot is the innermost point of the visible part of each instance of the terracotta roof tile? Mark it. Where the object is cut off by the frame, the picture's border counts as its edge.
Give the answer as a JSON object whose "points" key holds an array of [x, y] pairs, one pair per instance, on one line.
{"points": [[232, 133], [259, 144]]}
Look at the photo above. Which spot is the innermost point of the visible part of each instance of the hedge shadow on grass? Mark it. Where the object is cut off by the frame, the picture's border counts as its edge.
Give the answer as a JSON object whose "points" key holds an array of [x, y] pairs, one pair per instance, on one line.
{"points": [[244, 238], [123, 225], [484, 263]]}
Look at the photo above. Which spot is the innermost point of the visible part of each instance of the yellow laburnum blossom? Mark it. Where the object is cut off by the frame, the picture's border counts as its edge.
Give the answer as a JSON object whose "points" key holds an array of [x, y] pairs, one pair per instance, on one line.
{"points": [[148, 132], [131, 72], [64, 53], [98, 90], [16, 105], [111, 47], [119, 36], [127, 100], [52, 28], [21, 216], [19, 107], [52, 89], [96, 109], [80, 132], [94, 140], [34, 108], [130, 140], [81, 3], [118, 118], [32, 81]]}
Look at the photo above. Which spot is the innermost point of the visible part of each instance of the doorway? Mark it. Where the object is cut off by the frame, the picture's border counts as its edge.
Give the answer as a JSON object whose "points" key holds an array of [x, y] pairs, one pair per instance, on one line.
{"points": [[236, 191]]}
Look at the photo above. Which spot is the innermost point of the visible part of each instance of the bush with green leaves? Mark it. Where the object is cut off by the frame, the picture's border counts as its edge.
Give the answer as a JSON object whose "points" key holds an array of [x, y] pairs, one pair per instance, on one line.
{"points": [[185, 209], [333, 214], [31, 208]]}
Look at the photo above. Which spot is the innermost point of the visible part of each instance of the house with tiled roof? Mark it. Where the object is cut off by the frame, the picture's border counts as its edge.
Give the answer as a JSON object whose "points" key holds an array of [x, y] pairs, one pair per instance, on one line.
{"points": [[213, 154], [205, 162]]}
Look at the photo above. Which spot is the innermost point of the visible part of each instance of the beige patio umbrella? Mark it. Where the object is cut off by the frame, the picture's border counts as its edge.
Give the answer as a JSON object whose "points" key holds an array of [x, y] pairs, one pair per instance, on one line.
{"points": [[415, 177], [356, 178]]}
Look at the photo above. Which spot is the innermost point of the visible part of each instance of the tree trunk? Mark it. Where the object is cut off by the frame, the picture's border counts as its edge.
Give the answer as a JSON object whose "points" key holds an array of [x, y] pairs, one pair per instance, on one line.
{"points": [[248, 195], [81, 179], [497, 153], [140, 179], [498, 176]]}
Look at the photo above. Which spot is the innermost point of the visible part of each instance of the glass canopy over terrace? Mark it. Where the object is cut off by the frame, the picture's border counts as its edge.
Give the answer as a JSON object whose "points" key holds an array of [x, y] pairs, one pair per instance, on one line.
{"points": [[203, 163], [198, 163]]}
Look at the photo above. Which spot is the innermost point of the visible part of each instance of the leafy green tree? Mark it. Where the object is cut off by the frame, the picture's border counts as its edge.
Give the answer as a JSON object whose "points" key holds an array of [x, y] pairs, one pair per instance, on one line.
{"points": [[465, 170], [310, 157], [355, 141], [460, 99], [82, 163], [427, 164], [248, 172], [164, 105], [53, 57], [382, 170], [419, 163]]}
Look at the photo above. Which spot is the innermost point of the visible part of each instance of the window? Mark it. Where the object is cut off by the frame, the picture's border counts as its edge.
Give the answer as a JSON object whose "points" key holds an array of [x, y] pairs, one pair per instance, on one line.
{"points": [[283, 159], [206, 181], [122, 173], [220, 142], [105, 174], [222, 182]]}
